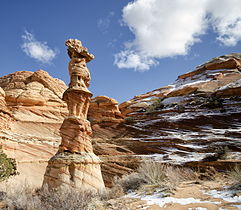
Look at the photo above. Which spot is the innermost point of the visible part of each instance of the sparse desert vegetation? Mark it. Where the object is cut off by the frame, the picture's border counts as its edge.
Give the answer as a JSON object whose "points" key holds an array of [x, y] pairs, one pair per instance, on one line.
{"points": [[7, 166], [149, 177], [235, 176]]}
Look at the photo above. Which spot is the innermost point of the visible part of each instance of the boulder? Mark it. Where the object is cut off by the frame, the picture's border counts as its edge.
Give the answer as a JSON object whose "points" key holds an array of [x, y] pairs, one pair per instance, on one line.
{"points": [[104, 110]]}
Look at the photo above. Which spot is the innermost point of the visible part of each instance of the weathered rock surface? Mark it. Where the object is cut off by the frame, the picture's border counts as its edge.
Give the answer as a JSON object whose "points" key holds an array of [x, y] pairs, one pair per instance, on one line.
{"points": [[5, 114], [29, 128], [194, 121], [34, 102], [197, 118], [104, 110], [219, 76], [75, 164]]}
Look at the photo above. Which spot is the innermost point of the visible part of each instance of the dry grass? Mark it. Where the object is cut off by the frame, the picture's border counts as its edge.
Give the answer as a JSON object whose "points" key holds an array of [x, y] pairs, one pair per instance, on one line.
{"points": [[180, 174], [235, 176], [21, 196], [130, 182], [154, 175], [150, 176]]}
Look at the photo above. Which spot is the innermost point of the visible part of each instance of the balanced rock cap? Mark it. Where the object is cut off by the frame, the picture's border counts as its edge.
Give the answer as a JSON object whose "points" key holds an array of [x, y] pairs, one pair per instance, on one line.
{"points": [[74, 45]]}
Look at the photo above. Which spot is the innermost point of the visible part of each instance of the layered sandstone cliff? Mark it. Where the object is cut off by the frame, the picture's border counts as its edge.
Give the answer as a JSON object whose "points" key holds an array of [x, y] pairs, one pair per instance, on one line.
{"points": [[104, 110], [31, 114], [194, 121]]}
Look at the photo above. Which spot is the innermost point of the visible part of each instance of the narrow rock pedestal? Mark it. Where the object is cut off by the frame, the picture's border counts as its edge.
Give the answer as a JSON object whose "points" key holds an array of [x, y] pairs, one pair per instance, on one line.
{"points": [[75, 164]]}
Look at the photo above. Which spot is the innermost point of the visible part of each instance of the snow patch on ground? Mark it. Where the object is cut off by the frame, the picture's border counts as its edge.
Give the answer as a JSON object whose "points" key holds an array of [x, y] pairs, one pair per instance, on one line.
{"points": [[226, 195], [158, 199]]}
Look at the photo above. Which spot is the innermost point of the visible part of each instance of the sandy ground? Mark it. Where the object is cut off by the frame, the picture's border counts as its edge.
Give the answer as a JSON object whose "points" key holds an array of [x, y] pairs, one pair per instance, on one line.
{"points": [[188, 196]]}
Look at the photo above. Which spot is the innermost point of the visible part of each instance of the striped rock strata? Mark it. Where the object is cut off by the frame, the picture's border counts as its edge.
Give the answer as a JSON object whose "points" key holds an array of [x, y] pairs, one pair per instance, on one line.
{"points": [[104, 110], [75, 164]]}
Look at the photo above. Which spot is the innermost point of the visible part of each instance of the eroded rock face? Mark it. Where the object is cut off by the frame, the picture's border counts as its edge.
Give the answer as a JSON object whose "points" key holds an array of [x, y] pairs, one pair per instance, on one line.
{"points": [[34, 101], [75, 164], [196, 121], [104, 110], [31, 114], [209, 78], [191, 121], [76, 135], [29, 128], [5, 114]]}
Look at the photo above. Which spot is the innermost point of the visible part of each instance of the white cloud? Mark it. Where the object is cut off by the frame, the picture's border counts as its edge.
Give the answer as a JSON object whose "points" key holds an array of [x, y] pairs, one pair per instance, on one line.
{"points": [[130, 59], [226, 20], [40, 51], [165, 28]]}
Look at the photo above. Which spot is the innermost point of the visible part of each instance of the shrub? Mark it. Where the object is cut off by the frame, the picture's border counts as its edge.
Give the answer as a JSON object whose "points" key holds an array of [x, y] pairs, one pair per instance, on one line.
{"points": [[7, 166], [220, 153], [235, 176], [66, 198], [179, 174], [130, 182], [154, 175], [21, 196]]}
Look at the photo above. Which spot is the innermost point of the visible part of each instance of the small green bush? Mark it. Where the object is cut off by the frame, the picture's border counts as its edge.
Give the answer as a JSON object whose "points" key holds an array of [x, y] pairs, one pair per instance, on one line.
{"points": [[7, 166]]}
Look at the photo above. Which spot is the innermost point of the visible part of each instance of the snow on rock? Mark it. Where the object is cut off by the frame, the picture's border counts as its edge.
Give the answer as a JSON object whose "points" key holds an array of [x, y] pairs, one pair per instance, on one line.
{"points": [[175, 158], [235, 84], [172, 100]]}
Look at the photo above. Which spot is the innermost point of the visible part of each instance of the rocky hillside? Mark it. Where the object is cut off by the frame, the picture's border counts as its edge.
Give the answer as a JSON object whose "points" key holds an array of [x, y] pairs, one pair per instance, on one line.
{"points": [[194, 121], [31, 113]]}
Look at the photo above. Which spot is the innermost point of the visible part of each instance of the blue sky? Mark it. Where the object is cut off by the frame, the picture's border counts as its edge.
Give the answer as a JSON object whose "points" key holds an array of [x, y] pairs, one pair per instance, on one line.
{"points": [[139, 45]]}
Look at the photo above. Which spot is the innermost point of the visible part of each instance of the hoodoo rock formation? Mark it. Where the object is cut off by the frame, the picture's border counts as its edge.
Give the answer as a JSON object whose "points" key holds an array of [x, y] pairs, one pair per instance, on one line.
{"points": [[194, 121], [75, 164]]}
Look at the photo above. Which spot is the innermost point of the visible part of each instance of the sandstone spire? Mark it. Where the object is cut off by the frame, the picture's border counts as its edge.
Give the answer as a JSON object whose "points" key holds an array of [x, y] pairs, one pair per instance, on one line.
{"points": [[75, 164]]}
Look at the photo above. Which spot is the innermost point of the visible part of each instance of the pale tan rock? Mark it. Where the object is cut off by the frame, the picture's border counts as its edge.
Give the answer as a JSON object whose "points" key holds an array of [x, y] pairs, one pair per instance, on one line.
{"points": [[5, 114], [32, 117], [3, 105], [104, 110], [26, 88], [75, 135], [55, 85], [75, 164], [78, 170]]}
